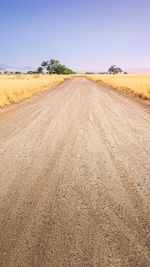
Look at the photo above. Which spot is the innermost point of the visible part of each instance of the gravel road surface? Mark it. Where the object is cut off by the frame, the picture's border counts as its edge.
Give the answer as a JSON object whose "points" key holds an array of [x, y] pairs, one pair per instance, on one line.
{"points": [[75, 179]]}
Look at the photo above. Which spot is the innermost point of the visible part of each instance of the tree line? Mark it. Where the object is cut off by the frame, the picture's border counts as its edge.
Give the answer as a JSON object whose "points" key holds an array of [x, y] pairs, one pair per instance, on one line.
{"points": [[54, 67]]}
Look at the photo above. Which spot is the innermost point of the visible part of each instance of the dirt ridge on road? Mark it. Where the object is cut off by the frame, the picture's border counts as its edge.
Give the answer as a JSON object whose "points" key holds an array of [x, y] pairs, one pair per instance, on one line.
{"points": [[75, 179]]}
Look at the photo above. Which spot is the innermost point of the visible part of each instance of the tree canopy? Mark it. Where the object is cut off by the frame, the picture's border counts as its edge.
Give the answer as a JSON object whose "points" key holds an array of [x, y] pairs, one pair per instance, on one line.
{"points": [[114, 70], [54, 66]]}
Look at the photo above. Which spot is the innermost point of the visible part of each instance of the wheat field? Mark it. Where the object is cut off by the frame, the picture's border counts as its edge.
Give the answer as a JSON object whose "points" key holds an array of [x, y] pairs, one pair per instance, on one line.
{"points": [[137, 84], [16, 87]]}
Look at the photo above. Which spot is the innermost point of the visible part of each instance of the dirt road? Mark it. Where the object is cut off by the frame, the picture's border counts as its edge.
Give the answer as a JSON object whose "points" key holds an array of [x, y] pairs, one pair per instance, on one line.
{"points": [[75, 179]]}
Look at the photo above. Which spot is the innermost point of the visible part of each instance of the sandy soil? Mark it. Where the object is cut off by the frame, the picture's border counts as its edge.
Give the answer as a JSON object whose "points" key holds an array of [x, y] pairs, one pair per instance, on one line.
{"points": [[75, 179]]}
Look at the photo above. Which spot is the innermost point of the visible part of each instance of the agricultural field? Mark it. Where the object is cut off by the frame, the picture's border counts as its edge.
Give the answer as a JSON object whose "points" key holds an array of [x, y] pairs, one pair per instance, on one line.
{"points": [[16, 87], [137, 84]]}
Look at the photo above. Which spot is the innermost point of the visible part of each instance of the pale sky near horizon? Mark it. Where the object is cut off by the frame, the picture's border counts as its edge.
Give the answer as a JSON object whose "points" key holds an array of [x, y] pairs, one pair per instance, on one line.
{"points": [[82, 34]]}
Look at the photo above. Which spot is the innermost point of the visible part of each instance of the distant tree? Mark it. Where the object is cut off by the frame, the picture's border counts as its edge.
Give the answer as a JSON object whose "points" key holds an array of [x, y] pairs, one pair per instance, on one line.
{"points": [[32, 72], [125, 72], [114, 70], [62, 69], [89, 73], [44, 63], [54, 66], [17, 72], [40, 70], [103, 73], [5, 72], [49, 66], [119, 70]]}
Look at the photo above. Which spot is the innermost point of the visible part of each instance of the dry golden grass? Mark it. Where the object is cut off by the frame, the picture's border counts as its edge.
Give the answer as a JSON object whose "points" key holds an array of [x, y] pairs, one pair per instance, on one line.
{"points": [[137, 84], [17, 87], [14, 88]]}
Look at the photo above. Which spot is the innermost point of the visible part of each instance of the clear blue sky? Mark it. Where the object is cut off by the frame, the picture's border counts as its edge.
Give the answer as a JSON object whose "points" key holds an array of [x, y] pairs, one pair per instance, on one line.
{"points": [[83, 34]]}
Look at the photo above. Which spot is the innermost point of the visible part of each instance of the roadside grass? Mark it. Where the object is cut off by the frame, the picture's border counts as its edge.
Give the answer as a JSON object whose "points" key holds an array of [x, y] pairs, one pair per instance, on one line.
{"points": [[137, 84], [16, 87]]}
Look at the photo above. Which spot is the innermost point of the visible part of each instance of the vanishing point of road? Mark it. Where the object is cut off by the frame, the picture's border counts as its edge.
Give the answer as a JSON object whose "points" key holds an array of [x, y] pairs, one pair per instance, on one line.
{"points": [[75, 179]]}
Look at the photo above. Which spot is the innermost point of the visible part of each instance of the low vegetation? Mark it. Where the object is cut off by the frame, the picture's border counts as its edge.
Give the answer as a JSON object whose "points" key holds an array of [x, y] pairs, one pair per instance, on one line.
{"points": [[137, 84], [15, 87]]}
